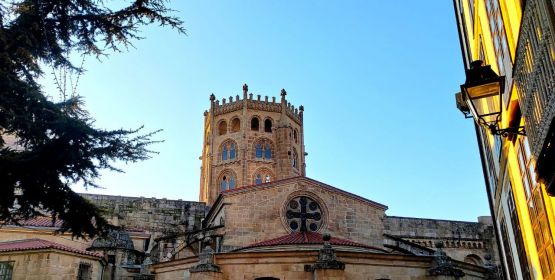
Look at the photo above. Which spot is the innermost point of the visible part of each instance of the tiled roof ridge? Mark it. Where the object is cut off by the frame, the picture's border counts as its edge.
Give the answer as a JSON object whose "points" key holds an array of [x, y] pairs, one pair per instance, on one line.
{"points": [[299, 238], [37, 244]]}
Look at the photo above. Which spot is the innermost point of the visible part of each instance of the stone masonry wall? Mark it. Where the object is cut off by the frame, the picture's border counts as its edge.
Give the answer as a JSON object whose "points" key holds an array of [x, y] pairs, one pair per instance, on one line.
{"points": [[257, 214], [162, 216], [461, 240], [48, 265]]}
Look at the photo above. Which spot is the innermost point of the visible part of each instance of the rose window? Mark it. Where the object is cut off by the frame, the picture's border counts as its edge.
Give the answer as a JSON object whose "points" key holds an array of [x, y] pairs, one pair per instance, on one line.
{"points": [[303, 214]]}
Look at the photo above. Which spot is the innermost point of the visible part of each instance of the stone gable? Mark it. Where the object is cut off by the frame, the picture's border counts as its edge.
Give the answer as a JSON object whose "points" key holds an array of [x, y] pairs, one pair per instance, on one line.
{"points": [[257, 213]]}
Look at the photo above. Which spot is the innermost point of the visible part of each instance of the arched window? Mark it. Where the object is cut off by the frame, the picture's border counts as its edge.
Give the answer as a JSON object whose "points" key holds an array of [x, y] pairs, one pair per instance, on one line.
{"points": [[232, 151], [268, 125], [224, 152], [235, 125], [227, 181], [263, 175], [228, 150], [263, 149], [473, 259], [267, 151], [222, 128], [258, 152], [295, 136], [255, 124]]}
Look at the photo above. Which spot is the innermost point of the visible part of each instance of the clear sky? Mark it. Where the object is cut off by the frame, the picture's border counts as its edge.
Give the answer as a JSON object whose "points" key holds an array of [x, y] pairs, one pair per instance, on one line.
{"points": [[377, 80]]}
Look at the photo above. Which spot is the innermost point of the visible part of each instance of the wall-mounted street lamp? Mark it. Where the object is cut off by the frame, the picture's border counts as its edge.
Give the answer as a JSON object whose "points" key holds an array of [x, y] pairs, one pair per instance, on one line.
{"points": [[480, 98]]}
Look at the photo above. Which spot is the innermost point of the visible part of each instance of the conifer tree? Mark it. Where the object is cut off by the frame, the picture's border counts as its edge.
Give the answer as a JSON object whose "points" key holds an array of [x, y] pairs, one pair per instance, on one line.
{"points": [[57, 143]]}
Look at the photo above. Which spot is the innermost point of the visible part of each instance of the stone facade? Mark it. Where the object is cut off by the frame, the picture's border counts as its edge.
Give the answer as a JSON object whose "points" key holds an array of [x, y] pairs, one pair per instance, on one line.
{"points": [[275, 229], [50, 265], [273, 225], [142, 219], [158, 216], [246, 123], [255, 214], [464, 241], [290, 265]]}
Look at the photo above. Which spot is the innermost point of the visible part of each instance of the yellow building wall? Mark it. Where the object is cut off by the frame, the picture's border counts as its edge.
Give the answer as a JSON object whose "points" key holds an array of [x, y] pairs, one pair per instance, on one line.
{"points": [[477, 28]]}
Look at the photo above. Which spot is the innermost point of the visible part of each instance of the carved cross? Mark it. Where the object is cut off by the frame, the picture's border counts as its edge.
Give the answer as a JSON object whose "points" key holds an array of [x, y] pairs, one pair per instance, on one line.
{"points": [[303, 214]]}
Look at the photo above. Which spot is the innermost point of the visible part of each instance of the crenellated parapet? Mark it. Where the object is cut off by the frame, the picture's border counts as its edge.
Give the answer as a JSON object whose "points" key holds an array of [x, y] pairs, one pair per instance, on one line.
{"points": [[295, 114], [256, 102], [264, 105]]}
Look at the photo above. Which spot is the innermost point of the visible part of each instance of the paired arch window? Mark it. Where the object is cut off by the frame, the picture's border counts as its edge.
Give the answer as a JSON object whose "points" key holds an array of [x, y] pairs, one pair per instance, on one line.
{"points": [[235, 125], [263, 150], [268, 125], [255, 124], [222, 128], [228, 151], [228, 181], [263, 176]]}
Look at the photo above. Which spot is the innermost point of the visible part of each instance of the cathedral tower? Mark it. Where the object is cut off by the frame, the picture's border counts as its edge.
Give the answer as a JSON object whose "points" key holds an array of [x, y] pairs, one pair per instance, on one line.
{"points": [[250, 141]]}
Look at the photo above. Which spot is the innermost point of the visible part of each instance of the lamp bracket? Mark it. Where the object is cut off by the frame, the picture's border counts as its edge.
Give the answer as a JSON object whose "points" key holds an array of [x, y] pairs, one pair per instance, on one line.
{"points": [[519, 130]]}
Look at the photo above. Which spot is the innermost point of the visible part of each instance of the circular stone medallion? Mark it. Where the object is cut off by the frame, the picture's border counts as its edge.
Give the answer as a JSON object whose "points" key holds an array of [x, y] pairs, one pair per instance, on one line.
{"points": [[303, 214]]}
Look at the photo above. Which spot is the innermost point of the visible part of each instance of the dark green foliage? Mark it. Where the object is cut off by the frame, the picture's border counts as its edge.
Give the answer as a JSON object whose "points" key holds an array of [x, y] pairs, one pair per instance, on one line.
{"points": [[58, 144]]}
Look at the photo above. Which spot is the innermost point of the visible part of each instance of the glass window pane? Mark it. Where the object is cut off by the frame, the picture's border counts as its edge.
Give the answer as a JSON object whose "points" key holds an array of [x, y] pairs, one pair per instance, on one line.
{"points": [[231, 183], [232, 152], [268, 152], [224, 153], [532, 174], [258, 179], [223, 184], [258, 151]]}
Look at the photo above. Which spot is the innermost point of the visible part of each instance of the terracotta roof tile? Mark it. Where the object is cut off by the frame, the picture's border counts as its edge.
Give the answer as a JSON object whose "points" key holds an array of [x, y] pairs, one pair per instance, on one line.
{"points": [[40, 221], [302, 238], [38, 244]]}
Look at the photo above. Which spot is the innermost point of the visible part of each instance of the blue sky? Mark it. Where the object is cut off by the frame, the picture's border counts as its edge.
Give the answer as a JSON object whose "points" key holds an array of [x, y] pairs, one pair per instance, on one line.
{"points": [[377, 79]]}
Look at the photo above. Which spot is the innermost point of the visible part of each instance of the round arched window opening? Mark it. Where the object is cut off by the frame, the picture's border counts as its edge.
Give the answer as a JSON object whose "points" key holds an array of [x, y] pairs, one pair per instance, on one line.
{"points": [[303, 214], [255, 124], [267, 125], [222, 128], [235, 125], [227, 181]]}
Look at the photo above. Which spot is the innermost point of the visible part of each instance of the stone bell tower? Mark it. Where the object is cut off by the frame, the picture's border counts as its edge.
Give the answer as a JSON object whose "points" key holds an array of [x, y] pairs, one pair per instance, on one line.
{"points": [[250, 141]]}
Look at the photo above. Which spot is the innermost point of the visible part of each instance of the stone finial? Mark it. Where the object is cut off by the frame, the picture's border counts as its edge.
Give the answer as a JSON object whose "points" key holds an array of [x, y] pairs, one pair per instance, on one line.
{"points": [[442, 265], [301, 108], [206, 260], [494, 271], [245, 88], [326, 257], [212, 97], [283, 93]]}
